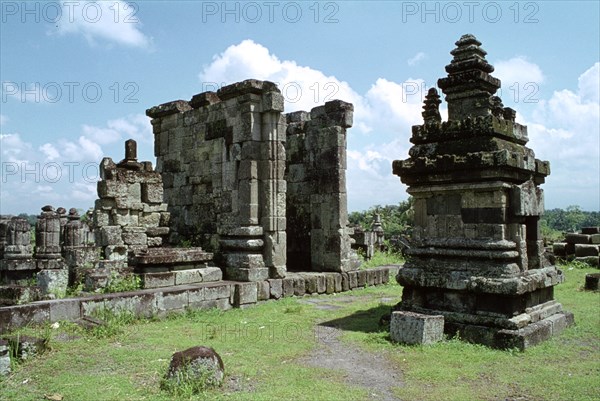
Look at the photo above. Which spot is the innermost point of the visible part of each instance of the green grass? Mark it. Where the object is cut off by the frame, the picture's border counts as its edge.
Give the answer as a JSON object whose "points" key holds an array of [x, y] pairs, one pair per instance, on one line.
{"points": [[382, 259], [261, 347]]}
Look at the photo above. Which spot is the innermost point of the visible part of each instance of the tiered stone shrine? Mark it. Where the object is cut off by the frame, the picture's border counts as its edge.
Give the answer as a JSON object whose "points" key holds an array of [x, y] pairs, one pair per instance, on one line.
{"points": [[477, 257]]}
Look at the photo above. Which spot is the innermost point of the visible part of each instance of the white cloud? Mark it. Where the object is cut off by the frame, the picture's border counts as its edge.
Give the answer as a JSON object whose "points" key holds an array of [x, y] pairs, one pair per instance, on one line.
{"points": [[565, 130], [50, 151], [518, 70], [416, 59], [113, 21], [63, 172], [589, 84], [302, 87], [385, 113]]}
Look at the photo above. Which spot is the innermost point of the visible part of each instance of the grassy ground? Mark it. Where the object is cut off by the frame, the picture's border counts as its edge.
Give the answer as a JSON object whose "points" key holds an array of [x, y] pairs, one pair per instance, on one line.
{"points": [[262, 347]]}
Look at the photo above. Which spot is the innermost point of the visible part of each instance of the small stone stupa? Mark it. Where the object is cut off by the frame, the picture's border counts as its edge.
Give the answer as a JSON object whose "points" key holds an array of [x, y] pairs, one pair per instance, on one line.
{"points": [[478, 257]]}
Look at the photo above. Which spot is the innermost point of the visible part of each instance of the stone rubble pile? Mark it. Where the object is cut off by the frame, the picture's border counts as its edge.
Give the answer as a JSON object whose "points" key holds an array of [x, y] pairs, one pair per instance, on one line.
{"points": [[582, 247]]}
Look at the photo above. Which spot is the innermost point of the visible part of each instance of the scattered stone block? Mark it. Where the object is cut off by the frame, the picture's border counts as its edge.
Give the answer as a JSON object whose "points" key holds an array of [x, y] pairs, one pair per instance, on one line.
{"points": [[196, 363], [586, 250], [573, 238], [590, 230], [415, 328], [559, 249], [595, 239], [591, 281]]}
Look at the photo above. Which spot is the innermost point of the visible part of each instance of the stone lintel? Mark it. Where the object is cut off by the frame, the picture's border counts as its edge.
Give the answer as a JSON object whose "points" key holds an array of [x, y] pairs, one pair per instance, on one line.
{"points": [[165, 109], [169, 256], [249, 86]]}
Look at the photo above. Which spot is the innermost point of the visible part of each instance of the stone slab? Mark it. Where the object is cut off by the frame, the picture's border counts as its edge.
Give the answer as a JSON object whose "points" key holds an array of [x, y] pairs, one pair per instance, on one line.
{"points": [[586, 250], [416, 328], [158, 280]]}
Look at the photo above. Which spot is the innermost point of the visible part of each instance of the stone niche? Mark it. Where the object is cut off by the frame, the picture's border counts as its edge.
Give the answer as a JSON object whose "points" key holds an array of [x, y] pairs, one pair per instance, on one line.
{"points": [[478, 255]]}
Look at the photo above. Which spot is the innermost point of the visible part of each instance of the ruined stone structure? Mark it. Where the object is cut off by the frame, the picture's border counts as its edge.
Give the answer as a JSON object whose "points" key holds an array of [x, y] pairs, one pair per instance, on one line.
{"points": [[222, 159], [130, 214], [582, 247], [478, 257], [318, 232], [369, 240], [222, 156]]}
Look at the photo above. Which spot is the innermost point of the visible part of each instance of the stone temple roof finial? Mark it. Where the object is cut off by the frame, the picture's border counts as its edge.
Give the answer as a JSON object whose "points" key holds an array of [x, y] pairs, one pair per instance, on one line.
{"points": [[469, 85], [431, 107]]}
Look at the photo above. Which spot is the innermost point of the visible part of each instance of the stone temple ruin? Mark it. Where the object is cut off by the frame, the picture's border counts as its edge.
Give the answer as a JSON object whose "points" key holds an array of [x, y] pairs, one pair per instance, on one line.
{"points": [[477, 257], [248, 204], [245, 204]]}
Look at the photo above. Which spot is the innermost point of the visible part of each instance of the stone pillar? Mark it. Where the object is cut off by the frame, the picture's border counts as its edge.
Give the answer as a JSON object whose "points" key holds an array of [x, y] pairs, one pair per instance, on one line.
{"points": [[477, 256], [62, 214], [317, 207], [252, 236], [330, 234], [377, 229], [74, 234], [47, 234], [272, 186], [17, 239], [17, 263]]}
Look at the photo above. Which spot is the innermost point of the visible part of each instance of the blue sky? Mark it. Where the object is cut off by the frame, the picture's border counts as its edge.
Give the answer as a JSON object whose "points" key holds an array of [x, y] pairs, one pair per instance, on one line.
{"points": [[78, 76]]}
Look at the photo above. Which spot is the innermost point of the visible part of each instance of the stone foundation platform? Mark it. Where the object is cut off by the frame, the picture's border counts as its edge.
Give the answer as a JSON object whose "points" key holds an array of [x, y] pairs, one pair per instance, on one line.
{"points": [[222, 294]]}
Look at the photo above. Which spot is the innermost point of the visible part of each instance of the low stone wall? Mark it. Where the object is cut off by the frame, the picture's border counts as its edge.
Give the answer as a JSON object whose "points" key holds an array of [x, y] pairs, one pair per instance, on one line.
{"points": [[223, 295]]}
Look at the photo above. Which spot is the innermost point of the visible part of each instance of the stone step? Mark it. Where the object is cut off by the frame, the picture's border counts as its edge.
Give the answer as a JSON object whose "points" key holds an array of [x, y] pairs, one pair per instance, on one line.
{"points": [[181, 277]]}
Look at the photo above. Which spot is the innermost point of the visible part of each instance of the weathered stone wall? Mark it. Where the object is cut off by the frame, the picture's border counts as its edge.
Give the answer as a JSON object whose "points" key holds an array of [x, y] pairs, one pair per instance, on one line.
{"points": [[318, 232], [222, 158]]}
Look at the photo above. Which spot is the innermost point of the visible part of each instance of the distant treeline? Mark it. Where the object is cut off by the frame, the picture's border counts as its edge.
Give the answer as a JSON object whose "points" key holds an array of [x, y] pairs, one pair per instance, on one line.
{"points": [[396, 219]]}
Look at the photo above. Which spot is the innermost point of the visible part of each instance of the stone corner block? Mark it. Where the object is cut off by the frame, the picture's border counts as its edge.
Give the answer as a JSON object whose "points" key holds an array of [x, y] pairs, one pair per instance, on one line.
{"points": [[245, 293], [416, 328]]}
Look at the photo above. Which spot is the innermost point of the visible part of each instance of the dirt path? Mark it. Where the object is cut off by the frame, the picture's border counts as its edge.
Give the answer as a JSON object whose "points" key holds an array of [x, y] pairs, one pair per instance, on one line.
{"points": [[360, 368]]}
